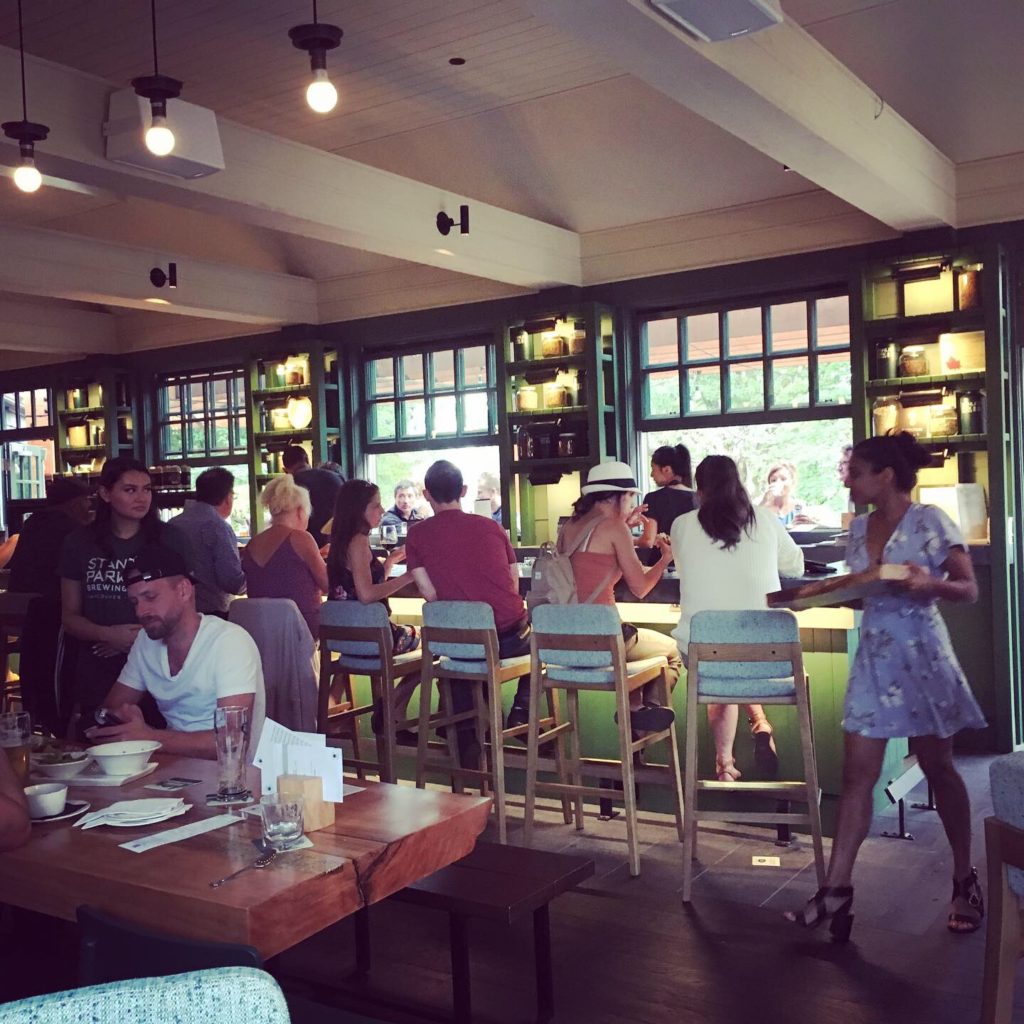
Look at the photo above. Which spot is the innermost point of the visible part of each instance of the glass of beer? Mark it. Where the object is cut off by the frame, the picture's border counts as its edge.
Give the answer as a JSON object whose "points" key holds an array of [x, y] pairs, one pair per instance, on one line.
{"points": [[15, 731]]}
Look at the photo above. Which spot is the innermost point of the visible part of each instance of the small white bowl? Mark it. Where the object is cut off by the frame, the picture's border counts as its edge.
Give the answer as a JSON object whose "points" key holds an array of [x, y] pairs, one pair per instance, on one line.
{"points": [[62, 769], [123, 758], [46, 799]]}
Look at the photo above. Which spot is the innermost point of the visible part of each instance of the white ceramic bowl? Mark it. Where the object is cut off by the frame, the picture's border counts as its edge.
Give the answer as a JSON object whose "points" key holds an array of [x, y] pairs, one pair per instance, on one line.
{"points": [[124, 758], [65, 769], [46, 799]]}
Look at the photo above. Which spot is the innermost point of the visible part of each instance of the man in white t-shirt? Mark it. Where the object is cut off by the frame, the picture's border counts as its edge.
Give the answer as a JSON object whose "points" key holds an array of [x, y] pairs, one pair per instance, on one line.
{"points": [[190, 663]]}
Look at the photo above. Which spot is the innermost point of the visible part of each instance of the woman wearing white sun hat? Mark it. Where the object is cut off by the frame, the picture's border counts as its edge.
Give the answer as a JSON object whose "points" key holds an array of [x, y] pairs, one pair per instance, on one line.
{"points": [[605, 512]]}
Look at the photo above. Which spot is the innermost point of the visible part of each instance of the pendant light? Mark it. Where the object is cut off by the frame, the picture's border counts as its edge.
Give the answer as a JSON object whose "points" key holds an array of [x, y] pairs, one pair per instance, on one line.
{"points": [[316, 40], [27, 133], [158, 89]]}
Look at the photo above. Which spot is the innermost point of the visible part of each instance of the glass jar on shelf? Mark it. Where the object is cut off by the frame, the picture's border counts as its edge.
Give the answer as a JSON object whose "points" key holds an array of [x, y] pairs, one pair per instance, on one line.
{"points": [[520, 346], [884, 416], [552, 346], [527, 398], [913, 361], [556, 395], [524, 444]]}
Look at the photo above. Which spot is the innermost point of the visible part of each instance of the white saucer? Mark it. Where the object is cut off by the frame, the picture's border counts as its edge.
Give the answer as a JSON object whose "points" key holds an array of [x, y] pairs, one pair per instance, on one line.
{"points": [[136, 822], [71, 810]]}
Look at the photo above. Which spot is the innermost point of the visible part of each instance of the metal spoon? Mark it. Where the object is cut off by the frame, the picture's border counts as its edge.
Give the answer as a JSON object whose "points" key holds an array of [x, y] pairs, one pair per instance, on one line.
{"points": [[260, 862]]}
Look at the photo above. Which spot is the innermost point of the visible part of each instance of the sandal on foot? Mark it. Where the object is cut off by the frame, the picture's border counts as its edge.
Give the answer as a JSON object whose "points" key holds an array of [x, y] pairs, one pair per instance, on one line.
{"points": [[650, 718], [726, 771], [831, 903], [765, 756], [968, 905]]}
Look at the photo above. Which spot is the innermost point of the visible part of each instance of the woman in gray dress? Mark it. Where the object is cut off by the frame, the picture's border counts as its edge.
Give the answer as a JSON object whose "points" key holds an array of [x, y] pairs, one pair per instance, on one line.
{"points": [[905, 680]]}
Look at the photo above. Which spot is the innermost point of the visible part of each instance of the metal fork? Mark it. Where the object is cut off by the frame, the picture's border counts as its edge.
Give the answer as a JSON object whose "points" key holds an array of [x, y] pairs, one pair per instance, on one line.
{"points": [[260, 862]]}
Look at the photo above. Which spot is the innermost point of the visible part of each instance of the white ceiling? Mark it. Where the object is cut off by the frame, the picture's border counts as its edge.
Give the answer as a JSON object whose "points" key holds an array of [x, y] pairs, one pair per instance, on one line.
{"points": [[535, 122]]}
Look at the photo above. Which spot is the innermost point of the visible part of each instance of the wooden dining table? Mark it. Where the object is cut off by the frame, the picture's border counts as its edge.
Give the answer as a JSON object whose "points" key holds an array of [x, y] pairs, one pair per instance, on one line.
{"points": [[384, 838]]}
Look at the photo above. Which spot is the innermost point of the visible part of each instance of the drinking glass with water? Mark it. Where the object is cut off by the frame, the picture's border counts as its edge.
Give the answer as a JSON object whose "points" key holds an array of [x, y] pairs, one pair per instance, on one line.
{"points": [[282, 821], [231, 726]]}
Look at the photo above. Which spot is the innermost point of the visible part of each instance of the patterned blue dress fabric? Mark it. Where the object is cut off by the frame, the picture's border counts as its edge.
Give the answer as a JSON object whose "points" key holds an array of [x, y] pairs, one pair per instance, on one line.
{"points": [[906, 680]]}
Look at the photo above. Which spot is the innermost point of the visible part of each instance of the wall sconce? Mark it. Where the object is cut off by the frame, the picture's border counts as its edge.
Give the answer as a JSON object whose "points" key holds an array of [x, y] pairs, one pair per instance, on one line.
{"points": [[446, 223], [158, 278]]}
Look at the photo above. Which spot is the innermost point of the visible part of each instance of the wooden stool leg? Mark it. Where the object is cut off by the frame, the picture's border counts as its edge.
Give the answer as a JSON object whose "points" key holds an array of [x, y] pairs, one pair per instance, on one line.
{"points": [[573, 700], [349, 690], [444, 687], [673, 761], [542, 965], [386, 740], [690, 788], [480, 718], [497, 758], [532, 747], [426, 692], [1002, 939], [813, 797], [628, 779], [559, 754]]}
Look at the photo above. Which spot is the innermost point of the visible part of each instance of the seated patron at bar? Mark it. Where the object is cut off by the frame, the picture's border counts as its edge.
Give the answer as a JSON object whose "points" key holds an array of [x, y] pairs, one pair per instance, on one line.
{"points": [[488, 489], [190, 663], [404, 509], [284, 560], [323, 486], [15, 826], [455, 556], [780, 496], [598, 535], [34, 563], [730, 555], [216, 567]]}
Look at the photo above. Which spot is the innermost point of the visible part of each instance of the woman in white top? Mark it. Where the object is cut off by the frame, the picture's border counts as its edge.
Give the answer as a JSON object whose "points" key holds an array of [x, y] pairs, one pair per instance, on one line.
{"points": [[730, 554]]}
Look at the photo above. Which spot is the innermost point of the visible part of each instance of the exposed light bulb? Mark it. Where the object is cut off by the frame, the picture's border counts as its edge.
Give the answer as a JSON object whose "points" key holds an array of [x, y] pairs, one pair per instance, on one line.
{"points": [[159, 138], [27, 176], [321, 94]]}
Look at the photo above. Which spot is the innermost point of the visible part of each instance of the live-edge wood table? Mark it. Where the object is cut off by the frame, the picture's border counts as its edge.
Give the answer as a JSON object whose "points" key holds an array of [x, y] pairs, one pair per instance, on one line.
{"points": [[383, 839]]}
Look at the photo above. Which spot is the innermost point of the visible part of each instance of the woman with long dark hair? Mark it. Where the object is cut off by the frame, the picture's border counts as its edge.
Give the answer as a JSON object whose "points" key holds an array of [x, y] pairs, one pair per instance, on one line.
{"points": [[598, 535], [670, 470], [905, 679], [96, 610], [730, 554]]}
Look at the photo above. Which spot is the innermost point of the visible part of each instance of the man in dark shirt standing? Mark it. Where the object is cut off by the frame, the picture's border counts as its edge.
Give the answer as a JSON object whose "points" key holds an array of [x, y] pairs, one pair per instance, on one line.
{"points": [[33, 565], [322, 484]]}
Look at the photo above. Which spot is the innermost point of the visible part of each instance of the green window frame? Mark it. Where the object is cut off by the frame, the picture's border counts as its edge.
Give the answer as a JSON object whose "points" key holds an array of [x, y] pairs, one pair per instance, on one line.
{"points": [[202, 415], [785, 358], [429, 396], [26, 409]]}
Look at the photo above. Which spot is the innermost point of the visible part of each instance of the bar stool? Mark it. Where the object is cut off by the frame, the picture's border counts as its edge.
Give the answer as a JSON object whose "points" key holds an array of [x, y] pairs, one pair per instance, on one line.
{"points": [[360, 635], [462, 636], [748, 657], [1004, 853], [580, 647]]}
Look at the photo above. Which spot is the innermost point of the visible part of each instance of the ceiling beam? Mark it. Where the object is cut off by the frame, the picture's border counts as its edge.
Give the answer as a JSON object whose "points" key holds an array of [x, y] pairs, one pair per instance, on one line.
{"points": [[292, 188], [34, 261], [784, 94], [33, 327]]}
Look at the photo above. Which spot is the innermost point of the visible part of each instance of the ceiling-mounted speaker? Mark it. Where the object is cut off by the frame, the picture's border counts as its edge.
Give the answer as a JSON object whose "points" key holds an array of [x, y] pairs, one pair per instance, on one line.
{"points": [[715, 20]]}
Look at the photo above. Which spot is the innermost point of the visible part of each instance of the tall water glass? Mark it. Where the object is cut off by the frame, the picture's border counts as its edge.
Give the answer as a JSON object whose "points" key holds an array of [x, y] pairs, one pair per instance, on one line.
{"points": [[15, 731], [232, 728]]}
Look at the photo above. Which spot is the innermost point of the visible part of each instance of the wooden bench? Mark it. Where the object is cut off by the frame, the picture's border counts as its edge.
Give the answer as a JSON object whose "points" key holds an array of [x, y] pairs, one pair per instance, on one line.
{"points": [[495, 883]]}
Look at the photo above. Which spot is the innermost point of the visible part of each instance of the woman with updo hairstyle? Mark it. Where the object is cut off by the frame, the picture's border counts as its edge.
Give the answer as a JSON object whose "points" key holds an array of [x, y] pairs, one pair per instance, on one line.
{"points": [[670, 470], [905, 679], [283, 560]]}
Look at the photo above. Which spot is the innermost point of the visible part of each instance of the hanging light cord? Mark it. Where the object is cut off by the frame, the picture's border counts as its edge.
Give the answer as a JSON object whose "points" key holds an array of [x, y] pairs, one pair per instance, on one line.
{"points": [[21, 44], [314, 12], [156, 64]]}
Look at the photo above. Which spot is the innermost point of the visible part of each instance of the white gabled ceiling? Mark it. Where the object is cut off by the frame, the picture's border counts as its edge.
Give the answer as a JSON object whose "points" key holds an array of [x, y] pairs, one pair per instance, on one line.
{"points": [[539, 122]]}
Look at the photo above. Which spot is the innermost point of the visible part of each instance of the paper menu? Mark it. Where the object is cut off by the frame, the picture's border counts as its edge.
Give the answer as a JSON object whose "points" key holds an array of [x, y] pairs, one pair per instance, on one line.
{"points": [[282, 751]]}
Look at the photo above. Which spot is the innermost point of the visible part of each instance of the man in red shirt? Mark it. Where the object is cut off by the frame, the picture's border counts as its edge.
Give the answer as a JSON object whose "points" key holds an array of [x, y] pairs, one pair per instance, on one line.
{"points": [[455, 556]]}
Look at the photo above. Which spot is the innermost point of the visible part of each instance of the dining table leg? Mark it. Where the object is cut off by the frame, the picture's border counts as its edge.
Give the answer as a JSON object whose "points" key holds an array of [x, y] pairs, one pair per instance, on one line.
{"points": [[459, 939]]}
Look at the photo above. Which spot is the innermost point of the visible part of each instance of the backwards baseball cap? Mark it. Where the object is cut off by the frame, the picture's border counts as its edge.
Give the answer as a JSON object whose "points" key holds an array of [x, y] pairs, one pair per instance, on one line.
{"points": [[609, 476], [156, 562], [63, 488]]}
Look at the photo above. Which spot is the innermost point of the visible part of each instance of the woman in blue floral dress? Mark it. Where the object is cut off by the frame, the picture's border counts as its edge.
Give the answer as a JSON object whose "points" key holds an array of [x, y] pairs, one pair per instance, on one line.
{"points": [[905, 680]]}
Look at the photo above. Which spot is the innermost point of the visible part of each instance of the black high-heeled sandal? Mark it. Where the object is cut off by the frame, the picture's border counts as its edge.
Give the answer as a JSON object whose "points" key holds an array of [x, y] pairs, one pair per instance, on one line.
{"points": [[969, 890], [817, 909]]}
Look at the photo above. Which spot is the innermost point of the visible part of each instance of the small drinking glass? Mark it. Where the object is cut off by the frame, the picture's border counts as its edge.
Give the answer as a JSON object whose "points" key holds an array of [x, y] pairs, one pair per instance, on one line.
{"points": [[282, 821], [15, 732], [231, 726], [389, 536]]}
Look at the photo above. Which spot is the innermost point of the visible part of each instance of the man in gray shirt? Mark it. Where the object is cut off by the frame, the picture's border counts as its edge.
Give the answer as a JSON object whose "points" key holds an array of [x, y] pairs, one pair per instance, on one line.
{"points": [[216, 567]]}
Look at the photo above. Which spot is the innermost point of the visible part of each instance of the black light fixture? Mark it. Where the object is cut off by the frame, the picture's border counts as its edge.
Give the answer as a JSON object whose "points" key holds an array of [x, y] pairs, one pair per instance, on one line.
{"points": [[25, 132], [158, 277], [446, 223], [158, 89], [316, 40]]}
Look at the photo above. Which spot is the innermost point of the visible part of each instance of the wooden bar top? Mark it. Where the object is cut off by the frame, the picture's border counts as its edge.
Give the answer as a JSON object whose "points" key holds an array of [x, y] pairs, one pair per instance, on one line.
{"points": [[383, 839]]}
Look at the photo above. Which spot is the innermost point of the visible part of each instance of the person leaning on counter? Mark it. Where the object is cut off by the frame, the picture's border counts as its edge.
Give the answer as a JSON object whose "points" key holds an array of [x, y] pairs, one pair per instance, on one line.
{"points": [[190, 663]]}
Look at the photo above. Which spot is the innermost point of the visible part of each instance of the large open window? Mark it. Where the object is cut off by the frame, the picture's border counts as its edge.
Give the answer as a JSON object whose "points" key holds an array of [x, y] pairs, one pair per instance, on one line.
{"points": [[202, 415]]}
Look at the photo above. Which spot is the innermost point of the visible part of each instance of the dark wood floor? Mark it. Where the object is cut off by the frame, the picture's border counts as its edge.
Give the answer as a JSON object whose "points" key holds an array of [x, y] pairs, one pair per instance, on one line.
{"points": [[626, 950]]}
